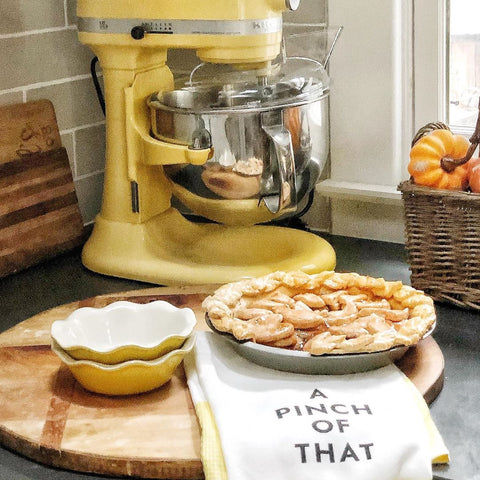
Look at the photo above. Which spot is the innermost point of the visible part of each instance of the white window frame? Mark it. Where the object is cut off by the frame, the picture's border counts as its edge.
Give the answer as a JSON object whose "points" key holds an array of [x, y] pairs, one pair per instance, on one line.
{"points": [[388, 79], [430, 65]]}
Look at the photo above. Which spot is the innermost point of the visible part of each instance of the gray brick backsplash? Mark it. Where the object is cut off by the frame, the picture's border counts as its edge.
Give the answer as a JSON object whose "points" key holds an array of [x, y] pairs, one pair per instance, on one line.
{"points": [[67, 142], [12, 97], [182, 61], [309, 11], [90, 149], [72, 12], [42, 57], [24, 15], [89, 193], [75, 102]]}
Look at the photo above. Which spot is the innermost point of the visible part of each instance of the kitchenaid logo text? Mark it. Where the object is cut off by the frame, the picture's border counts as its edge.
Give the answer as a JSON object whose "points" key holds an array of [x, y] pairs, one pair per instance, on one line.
{"points": [[323, 451]]}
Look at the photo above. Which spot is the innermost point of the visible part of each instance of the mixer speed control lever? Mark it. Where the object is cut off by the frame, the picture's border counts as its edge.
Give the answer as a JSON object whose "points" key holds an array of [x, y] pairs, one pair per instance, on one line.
{"points": [[138, 32]]}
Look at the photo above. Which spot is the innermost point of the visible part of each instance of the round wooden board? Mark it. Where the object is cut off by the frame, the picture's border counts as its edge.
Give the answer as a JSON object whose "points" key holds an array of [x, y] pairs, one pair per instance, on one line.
{"points": [[47, 416]]}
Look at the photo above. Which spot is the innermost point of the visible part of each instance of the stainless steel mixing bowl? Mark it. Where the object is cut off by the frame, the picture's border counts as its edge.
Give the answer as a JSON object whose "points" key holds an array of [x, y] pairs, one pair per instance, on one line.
{"points": [[270, 139]]}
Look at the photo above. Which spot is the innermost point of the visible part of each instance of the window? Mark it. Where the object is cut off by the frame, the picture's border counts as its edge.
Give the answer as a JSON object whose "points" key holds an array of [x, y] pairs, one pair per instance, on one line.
{"points": [[464, 63], [371, 113], [390, 77]]}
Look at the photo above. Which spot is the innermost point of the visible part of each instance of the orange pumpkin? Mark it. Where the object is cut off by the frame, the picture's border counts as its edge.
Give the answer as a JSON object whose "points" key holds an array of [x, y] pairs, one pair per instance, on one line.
{"points": [[429, 160], [474, 175]]}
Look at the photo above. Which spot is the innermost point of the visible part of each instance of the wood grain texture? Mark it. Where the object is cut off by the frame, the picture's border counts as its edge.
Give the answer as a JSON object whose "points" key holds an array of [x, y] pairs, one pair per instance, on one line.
{"points": [[27, 128], [39, 212], [153, 435]]}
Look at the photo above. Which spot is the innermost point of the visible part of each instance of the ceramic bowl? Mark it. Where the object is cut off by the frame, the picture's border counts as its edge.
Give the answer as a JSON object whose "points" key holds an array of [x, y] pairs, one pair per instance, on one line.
{"points": [[126, 378], [123, 331]]}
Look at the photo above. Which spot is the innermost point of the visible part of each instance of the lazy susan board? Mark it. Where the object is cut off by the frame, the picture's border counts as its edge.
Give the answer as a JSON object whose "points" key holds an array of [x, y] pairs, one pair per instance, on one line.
{"points": [[48, 417]]}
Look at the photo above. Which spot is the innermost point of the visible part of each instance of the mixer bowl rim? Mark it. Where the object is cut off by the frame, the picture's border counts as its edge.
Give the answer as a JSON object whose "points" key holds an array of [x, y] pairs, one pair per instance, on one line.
{"points": [[303, 99]]}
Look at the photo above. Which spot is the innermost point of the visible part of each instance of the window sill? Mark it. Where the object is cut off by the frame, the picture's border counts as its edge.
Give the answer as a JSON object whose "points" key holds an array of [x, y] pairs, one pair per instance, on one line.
{"points": [[364, 192]]}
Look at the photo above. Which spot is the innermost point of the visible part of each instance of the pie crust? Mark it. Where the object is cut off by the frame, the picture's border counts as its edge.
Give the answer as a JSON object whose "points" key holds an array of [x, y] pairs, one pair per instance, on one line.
{"points": [[328, 312]]}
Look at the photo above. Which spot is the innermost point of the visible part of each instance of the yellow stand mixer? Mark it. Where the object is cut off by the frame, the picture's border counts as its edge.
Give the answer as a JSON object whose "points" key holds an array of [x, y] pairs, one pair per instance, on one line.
{"points": [[138, 234]]}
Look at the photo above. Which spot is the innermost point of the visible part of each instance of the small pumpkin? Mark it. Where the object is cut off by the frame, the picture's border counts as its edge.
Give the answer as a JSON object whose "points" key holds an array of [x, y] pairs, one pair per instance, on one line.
{"points": [[431, 160], [474, 175]]}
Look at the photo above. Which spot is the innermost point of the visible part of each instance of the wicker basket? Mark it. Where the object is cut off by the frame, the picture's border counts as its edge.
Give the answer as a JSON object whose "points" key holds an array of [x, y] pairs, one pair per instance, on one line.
{"points": [[443, 243]]}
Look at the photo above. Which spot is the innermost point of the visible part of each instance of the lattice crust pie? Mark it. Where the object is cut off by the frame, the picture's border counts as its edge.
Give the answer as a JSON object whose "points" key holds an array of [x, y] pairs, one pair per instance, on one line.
{"points": [[323, 313]]}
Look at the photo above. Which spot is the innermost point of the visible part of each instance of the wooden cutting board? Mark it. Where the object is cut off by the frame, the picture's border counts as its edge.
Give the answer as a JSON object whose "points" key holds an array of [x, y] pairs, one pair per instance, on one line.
{"points": [[39, 212], [47, 416]]}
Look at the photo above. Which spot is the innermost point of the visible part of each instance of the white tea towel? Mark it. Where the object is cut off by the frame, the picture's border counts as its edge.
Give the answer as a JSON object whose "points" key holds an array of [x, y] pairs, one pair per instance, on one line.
{"points": [[259, 423]]}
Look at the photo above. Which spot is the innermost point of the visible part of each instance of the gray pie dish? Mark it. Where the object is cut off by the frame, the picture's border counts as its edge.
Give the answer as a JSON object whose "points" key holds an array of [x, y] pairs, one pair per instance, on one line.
{"points": [[303, 362]]}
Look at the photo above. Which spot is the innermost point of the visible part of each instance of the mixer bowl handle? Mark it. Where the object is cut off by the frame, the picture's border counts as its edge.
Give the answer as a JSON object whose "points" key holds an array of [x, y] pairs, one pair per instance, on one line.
{"points": [[277, 188]]}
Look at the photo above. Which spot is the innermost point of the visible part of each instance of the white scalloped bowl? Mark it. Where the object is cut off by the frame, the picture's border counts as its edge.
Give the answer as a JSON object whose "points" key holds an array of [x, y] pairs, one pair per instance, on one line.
{"points": [[126, 378], [123, 331]]}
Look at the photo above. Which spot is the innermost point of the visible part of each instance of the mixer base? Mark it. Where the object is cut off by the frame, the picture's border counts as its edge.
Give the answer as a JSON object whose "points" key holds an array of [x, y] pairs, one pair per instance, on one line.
{"points": [[170, 250]]}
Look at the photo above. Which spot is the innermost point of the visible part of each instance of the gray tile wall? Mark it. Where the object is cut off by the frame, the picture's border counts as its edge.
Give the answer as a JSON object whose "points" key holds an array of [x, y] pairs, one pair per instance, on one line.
{"points": [[309, 11], [41, 57]]}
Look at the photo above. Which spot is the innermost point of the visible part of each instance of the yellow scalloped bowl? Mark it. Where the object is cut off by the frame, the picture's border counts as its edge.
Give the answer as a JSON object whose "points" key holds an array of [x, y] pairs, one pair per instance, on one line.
{"points": [[123, 331], [126, 378]]}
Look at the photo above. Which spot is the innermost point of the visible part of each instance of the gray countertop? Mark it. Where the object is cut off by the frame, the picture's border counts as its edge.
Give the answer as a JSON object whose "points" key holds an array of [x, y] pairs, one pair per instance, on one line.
{"points": [[456, 411]]}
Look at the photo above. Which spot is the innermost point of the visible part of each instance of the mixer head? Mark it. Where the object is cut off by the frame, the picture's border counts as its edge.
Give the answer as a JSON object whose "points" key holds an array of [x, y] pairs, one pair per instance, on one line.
{"points": [[225, 31]]}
